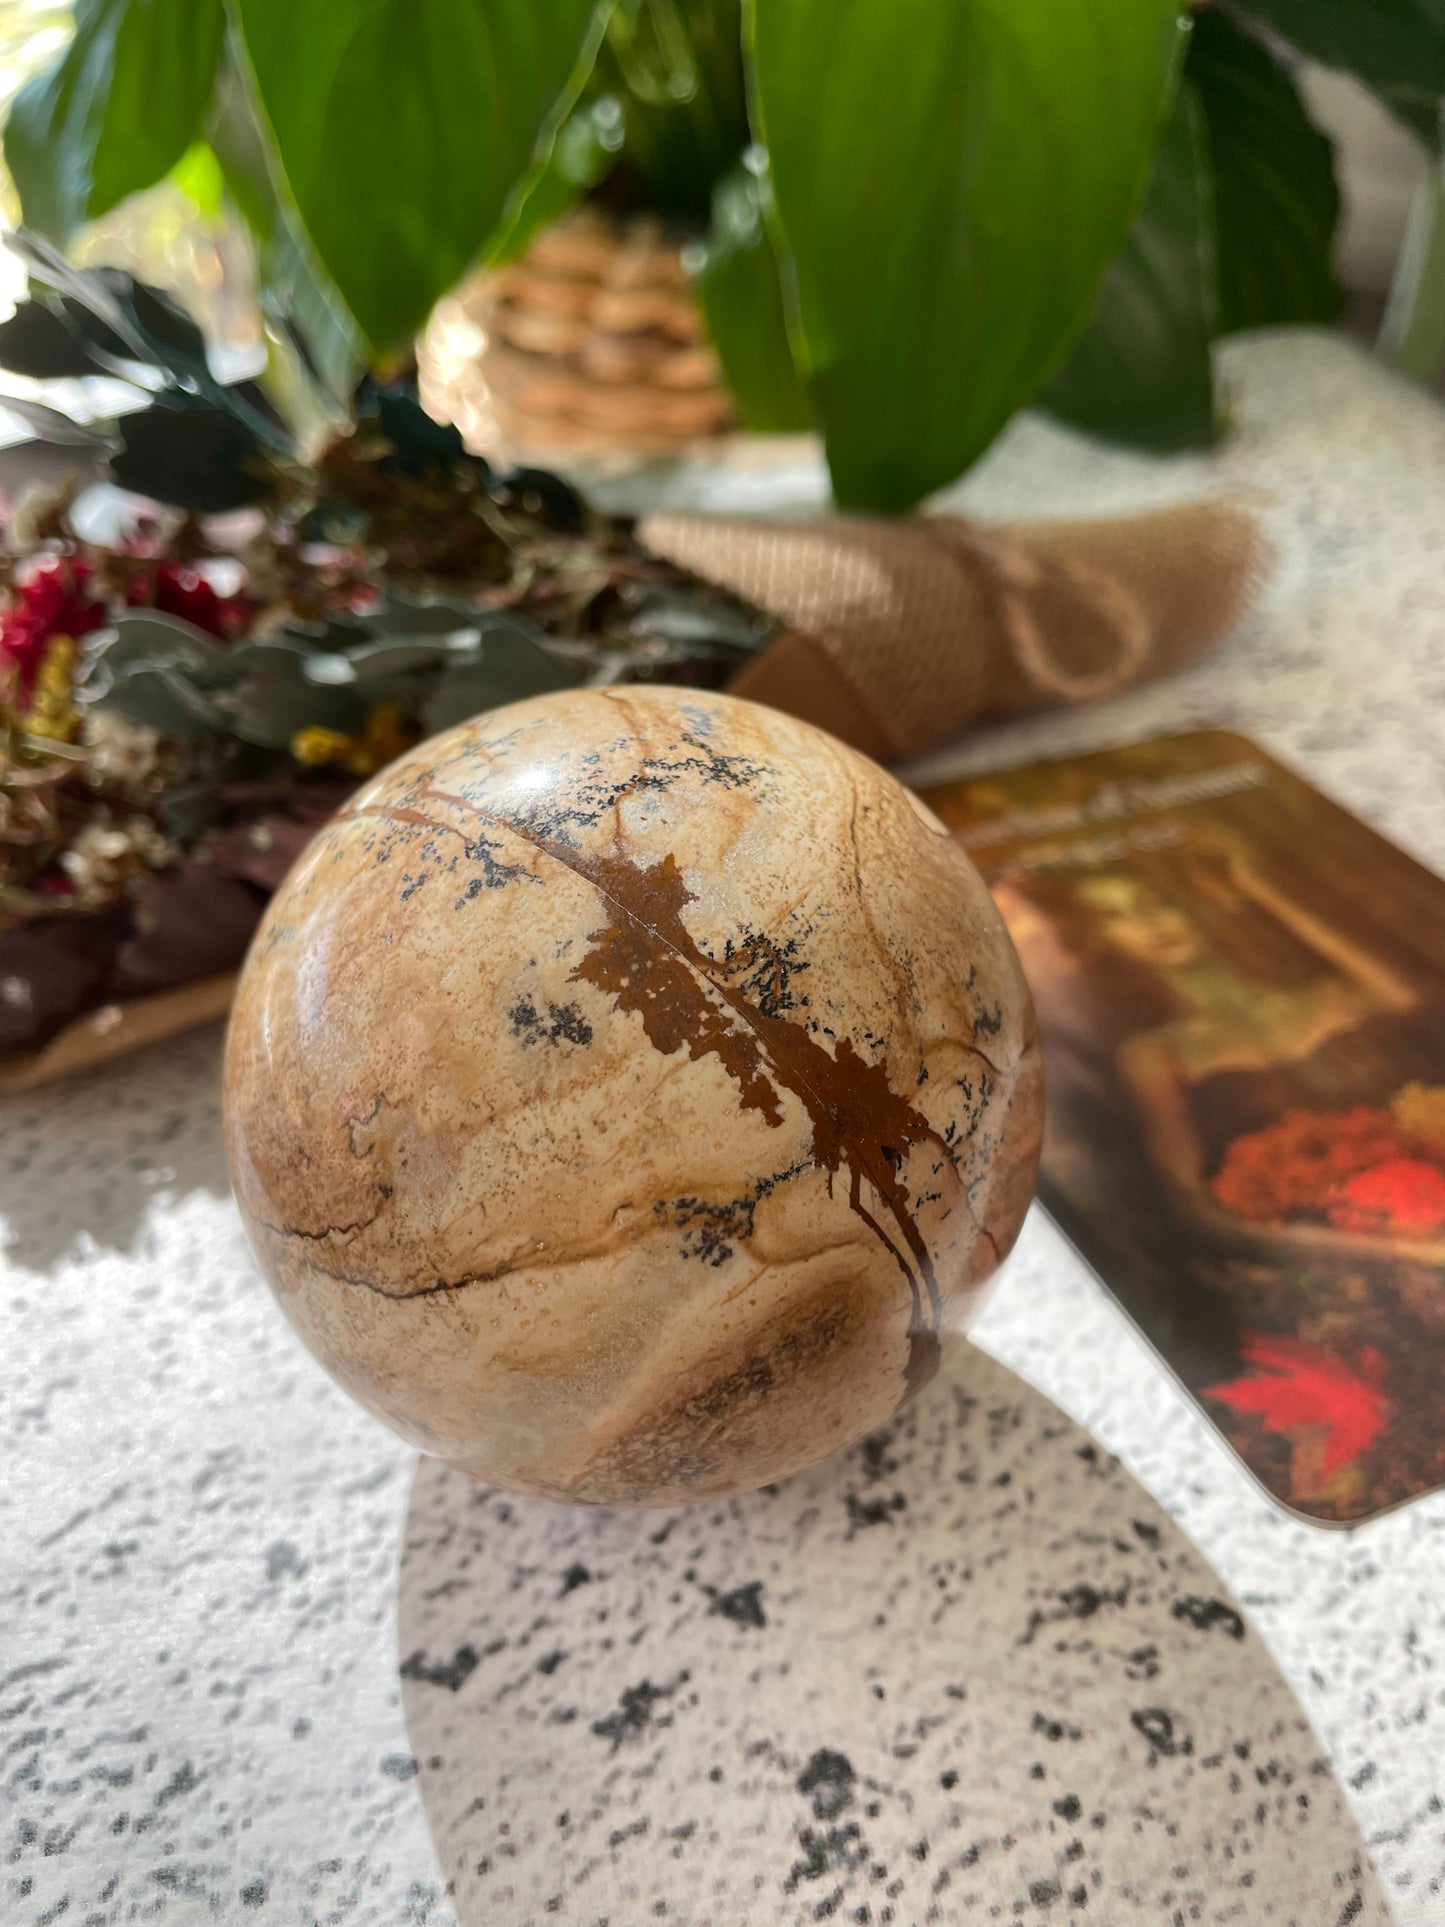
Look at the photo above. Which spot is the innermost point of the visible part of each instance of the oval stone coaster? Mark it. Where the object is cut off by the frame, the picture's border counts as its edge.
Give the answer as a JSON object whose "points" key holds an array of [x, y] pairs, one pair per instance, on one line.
{"points": [[966, 1670]]}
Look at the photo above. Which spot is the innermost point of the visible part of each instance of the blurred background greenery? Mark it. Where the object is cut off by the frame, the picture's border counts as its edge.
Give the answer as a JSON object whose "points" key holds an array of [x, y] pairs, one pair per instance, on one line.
{"points": [[901, 221]]}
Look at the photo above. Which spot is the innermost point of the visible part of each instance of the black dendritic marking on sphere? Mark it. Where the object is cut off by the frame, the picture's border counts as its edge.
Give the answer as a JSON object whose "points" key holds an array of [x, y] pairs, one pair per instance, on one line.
{"points": [[765, 970], [1055, 1730], [586, 801], [492, 871], [561, 1024], [414, 828], [709, 1231]]}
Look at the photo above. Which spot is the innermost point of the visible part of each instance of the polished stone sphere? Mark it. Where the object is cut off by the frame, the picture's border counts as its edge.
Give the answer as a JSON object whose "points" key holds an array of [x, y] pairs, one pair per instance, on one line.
{"points": [[628, 1094]]}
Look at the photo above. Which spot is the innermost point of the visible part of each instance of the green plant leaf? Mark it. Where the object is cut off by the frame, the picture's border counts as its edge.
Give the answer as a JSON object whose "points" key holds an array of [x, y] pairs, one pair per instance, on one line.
{"points": [[741, 297], [1422, 117], [1392, 45], [952, 178], [408, 133], [199, 177], [303, 308], [1276, 202], [1141, 371], [117, 110], [586, 146], [677, 68]]}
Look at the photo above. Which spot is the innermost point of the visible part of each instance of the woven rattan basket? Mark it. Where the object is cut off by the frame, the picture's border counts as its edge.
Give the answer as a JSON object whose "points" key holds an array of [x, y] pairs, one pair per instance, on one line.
{"points": [[590, 342]]}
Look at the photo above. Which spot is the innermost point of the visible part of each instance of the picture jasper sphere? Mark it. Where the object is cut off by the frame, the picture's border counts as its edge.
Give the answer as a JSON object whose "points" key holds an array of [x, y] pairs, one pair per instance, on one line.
{"points": [[628, 1092]]}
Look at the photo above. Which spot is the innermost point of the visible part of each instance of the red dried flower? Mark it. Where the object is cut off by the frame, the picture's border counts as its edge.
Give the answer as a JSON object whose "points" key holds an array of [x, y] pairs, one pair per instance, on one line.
{"points": [[53, 599], [178, 590]]}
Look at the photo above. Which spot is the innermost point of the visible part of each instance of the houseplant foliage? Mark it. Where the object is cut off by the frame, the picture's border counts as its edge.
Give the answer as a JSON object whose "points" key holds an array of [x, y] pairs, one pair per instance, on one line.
{"points": [[194, 675], [920, 214]]}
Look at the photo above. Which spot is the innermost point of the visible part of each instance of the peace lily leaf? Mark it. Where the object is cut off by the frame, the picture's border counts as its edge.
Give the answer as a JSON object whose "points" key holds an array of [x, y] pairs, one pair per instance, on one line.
{"points": [[1275, 198], [586, 146], [300, 298], [405, 131], [1141, 373], [951, 181], [198, 176], [296, 296], [1391, 45], [741, 297], [116, 112]]}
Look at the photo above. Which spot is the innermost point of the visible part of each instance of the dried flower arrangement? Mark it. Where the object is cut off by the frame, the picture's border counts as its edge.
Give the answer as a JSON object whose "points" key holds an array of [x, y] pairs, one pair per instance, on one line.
{"points": [[187, 695]]}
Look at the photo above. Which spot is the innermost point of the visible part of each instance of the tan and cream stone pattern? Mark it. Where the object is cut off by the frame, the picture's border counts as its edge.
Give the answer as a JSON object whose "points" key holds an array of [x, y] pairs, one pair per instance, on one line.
{"points": [[630, 1094]]}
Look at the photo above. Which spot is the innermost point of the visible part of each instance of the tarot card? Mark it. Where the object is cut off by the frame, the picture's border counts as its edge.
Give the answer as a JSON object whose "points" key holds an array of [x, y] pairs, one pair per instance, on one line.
{"points": [[1241, 991]]}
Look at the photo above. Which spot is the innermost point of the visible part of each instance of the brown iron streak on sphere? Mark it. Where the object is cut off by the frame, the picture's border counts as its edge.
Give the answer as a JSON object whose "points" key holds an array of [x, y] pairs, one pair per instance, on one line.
{"points": [[629, 1093]]}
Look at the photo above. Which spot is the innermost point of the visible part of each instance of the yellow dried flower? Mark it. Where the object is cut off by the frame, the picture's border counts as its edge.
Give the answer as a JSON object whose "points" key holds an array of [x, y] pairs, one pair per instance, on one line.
{"points": [[1420, 1110], [385, 739], [316, 746], [52, 713]]}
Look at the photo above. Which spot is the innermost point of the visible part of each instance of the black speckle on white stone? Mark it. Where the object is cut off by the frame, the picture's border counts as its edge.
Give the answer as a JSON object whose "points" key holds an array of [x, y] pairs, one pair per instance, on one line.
{"points": [[875, 1740]]}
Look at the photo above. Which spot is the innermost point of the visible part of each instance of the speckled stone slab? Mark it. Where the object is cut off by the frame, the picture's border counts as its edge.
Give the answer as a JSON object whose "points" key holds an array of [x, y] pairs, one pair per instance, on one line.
{"points": [[967, 1669]]}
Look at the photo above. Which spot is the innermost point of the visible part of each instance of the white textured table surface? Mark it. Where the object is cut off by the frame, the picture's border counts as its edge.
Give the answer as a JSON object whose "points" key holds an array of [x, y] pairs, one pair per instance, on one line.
{"points": [[200, 1711]]}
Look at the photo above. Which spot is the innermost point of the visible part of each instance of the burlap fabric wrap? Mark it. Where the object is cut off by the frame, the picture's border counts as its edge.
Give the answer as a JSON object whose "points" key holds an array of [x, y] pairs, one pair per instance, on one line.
{"points": [[898, 635]]}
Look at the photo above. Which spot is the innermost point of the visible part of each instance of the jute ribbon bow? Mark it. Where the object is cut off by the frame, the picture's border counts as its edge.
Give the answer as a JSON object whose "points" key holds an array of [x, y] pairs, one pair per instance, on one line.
{"points": [[897, 635]]}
